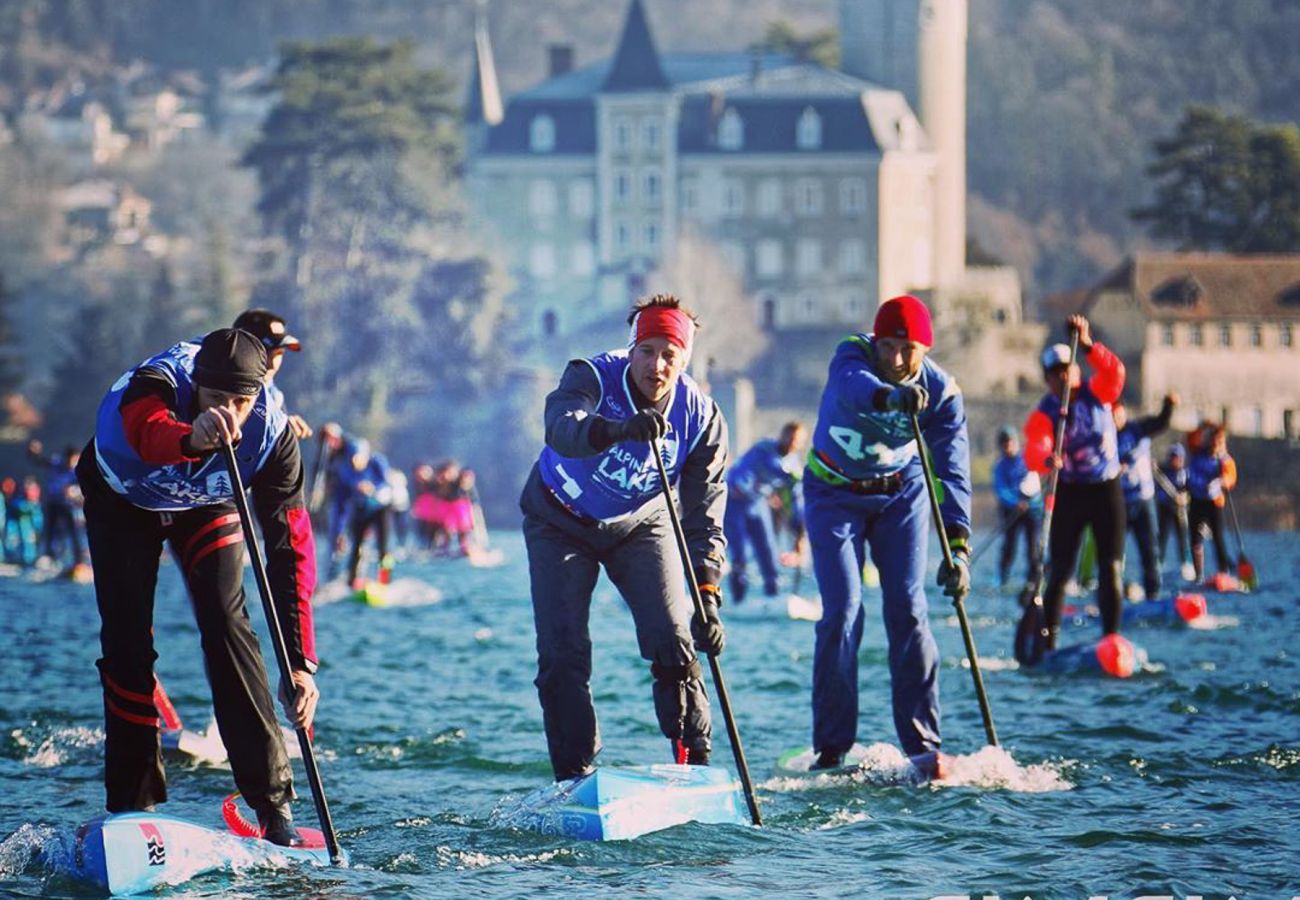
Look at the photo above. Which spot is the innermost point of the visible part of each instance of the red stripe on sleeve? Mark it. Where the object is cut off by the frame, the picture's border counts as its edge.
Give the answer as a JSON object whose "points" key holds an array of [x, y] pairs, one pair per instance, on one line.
{"points": [[1039, 438], [153, 432], [1107, 383], [304, 551]]}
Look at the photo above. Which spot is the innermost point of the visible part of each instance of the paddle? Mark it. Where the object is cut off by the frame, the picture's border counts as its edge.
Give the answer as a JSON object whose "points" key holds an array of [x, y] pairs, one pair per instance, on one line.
{"points": [[1245, 571], [724, 699], [1031, 632], [316, 493], [958, 602], [1180, 507], [993, 538], [480, 521], [281, 653]]}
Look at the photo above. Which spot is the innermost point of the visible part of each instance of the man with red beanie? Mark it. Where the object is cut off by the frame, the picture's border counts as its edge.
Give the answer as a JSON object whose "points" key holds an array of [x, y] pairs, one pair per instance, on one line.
{"points": [[864, 485], [151, 475], [594, 499]]}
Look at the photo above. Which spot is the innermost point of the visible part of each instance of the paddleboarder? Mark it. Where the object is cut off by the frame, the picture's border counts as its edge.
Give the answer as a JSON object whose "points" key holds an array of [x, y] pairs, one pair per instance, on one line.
{"points": [[763, 473], [364, 478], [63, 527], [151, 474], [1171, 506], [1133, 443], [1019, 494], [1088, 491], [864, 485], [1211, 473], [271, 330], [594, 499]]}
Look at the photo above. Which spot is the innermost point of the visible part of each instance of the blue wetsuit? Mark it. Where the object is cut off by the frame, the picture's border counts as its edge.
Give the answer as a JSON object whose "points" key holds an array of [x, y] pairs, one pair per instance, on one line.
{"points": [[1013, 485], [865, 485], [751, 482]]}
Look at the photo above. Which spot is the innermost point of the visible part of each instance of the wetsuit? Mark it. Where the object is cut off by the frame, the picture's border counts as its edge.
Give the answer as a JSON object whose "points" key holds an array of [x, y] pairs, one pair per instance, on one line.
{"points": [[1020, 509], [1133, 442], [591, 502], [1173, 516], [759, 473], [144, 486], [864, 485], [1088, 492]]}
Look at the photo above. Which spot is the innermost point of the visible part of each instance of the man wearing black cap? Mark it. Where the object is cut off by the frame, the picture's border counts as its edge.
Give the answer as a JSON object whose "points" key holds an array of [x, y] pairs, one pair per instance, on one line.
{"points": [[151, 474], [271, 330]]}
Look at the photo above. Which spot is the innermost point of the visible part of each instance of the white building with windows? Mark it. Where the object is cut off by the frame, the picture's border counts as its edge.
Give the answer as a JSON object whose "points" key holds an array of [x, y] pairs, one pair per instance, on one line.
{"points": [[821, 188]]}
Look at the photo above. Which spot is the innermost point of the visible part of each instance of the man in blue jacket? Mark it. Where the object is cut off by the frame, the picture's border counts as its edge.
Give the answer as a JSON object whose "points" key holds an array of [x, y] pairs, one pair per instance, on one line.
{"points": [[766, 470], [864, 485], [1020, 506]]}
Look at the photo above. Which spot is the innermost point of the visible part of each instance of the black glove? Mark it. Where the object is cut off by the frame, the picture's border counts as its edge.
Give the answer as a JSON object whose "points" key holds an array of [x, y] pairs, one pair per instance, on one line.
{"points": [[646, 425], [955, 579], [907, 398], [709, 635]]}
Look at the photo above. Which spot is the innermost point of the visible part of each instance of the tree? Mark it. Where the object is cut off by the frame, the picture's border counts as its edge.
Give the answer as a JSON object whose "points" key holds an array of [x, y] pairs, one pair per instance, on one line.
{"points": [[1225, 183], [821, 47], [11, 373]]}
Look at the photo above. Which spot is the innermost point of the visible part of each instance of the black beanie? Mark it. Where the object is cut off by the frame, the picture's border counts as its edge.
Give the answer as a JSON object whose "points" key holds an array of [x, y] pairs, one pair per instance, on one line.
{"points": [[232, 361]]}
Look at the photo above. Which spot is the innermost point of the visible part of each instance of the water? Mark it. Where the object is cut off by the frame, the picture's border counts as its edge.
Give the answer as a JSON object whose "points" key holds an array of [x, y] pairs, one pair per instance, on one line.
{"points": [[1183, 780]]}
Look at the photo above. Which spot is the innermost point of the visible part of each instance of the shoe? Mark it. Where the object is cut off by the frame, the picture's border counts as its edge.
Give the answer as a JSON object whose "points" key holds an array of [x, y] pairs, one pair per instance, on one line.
{"points": [[689, 756], [276, 825], [827, 759]]}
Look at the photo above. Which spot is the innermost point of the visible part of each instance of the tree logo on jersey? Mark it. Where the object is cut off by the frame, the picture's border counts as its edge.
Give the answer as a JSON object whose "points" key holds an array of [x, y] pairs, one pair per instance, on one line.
{"points": [[627, 474], [218, 485], [154, 843]]}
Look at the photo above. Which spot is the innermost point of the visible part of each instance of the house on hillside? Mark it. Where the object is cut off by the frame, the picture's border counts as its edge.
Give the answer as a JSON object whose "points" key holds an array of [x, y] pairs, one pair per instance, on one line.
{"points": [[77, 124], [101, 211], [1219, 330]]}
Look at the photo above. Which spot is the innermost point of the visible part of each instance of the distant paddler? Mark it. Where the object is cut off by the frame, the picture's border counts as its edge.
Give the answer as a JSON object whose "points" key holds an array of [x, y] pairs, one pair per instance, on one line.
{"points": [[1087, 469], [594, 499], [1211, 475], [271, 330], [763, 473], [150, 475], [1137, 477], [865, 487]]}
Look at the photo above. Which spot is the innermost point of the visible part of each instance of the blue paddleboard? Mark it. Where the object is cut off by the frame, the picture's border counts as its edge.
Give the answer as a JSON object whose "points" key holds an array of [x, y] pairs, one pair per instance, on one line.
{"points": [[621, 802], [1113, 655], [132, 853]]}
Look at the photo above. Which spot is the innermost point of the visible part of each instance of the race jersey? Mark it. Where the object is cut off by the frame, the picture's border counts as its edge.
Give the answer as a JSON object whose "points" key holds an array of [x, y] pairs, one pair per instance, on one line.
{"points": [[1090, 454], [190, 483], [1208, 476], [1014, 484], [1178, 479], [617, 482], [1134, 449], [762, 470], [856, 439]]}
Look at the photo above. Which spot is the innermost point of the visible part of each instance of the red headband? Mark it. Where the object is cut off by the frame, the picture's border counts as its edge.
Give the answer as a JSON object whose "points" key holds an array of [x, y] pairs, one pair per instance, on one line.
{"points": [[665, 322]]}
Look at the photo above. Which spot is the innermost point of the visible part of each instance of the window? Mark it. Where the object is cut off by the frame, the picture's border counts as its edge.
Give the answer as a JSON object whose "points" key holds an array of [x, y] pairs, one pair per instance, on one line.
{"points": [[1225, 335], [542, 261], [690, 197], [769, 197], [1197, 338], [550, 323], [650, 186], [582, 201], [622, 236], [768, 258], [853, 258], [769, 311], [1257, 421], [1284, 338], [808, 256], [622, 135], [807, 306], [541, 134], [1256, 336], [808, 197], [583, 260], [733, 254], [541, 198], [855, 307], [853, 196], [808, 133], [650, 135], [1167, 335], [733, 198], [650, 237], [731, 131], [622, 187]]}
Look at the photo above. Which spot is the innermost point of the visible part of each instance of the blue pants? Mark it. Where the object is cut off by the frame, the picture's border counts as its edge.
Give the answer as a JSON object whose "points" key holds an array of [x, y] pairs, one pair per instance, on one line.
{"points": [[1142, 523], [896, 526], [746, 523]]}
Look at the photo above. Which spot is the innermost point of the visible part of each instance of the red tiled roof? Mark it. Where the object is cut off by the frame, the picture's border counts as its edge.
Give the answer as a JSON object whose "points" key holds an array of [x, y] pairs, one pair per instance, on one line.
{"points": [[1202, 286]]}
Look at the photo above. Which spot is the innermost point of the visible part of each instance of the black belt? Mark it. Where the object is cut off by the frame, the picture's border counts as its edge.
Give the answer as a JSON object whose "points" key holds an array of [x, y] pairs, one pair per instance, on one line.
{"points": [[554, 499], [825, 470]]}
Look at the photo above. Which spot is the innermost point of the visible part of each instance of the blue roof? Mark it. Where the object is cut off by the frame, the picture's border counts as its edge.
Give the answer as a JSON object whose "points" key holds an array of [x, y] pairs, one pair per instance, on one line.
{"points": [[575, 126], [771, 124]]}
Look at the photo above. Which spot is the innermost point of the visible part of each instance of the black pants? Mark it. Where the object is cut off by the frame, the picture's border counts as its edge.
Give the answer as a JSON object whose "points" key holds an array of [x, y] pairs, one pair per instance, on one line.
{"points": [[1206, 513], [60, 520], [1077, 507], [1141, 517], [641, 558], [1029, 524], [125, 545], [362, 521], [1172, 522]]}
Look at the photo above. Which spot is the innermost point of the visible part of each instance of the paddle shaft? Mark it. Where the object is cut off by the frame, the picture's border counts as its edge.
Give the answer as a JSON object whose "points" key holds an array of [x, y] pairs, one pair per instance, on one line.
{"points": [[958, 602], [1236, 528], [1180, 508], [724, 699], [281, 654], [1054, 476], [316, 493], [992, 538]]}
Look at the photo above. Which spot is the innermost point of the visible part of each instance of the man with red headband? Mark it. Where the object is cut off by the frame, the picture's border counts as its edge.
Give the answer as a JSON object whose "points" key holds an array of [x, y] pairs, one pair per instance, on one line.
{"points": [[864, 485], [594, 499]]}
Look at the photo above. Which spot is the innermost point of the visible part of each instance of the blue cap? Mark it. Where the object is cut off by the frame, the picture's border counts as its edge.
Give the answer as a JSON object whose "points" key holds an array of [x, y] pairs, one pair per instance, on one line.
{"points": [[1177, 451]]}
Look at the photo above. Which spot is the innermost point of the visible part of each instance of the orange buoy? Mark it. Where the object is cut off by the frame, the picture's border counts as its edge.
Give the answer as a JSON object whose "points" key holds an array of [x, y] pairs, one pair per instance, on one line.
{"points": [[1116, 655]]}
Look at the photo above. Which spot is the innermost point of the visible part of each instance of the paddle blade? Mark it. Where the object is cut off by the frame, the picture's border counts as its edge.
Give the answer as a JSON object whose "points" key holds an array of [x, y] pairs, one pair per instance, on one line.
{"points": [[1031, 634], [1246, 573]]}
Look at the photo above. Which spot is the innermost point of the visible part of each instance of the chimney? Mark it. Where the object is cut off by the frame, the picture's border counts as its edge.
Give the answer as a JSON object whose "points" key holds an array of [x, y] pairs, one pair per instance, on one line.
{"points": [[560, 59]]}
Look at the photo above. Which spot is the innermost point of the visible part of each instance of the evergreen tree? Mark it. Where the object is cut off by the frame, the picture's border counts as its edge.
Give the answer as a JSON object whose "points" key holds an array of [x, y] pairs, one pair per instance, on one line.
{"points": [[11, 369]]}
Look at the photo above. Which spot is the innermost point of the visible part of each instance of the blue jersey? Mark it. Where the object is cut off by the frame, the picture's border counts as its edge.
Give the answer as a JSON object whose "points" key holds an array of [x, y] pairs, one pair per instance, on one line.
{"points": [[375, 472], [616, 483], [1014, 484], [1205, 473], [1178, 479], [188, 484], [762, 470], [856, 440], [1091, 453], [1134, 450]]}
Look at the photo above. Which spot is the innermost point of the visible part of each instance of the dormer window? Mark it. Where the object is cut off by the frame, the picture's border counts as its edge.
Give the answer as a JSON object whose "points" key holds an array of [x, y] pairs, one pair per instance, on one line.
{"points": [[541, 134], [1186, 290], [731, 131], [808, 133]]}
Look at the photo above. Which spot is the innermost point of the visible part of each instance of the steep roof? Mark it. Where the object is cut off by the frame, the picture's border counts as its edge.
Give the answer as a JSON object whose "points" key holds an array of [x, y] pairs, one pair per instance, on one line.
{"points": [[636, 63], [1208, 286]]}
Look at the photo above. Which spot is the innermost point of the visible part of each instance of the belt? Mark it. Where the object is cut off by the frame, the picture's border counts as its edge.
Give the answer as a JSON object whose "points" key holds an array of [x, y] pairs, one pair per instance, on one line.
{"points": [[554, 499], [821, 466]]}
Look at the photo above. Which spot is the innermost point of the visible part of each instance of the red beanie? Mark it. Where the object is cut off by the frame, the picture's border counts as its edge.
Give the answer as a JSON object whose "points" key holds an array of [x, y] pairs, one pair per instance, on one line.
{"points": [[904, 317]]}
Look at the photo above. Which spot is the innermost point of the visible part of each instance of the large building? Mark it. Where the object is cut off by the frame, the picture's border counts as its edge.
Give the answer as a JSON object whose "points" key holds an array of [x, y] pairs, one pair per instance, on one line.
{"points": [[822, 189], [1220, 331]]}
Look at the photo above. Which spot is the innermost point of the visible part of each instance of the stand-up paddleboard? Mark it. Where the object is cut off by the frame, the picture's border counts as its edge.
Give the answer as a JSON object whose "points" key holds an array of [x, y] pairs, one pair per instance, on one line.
{"points": [[1113, 655], [207, 746], [485, 557], [785, 606], [1224, 583], [132, 853], [1183, 609], [398, 592], [621, 802], [879, 763]]}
